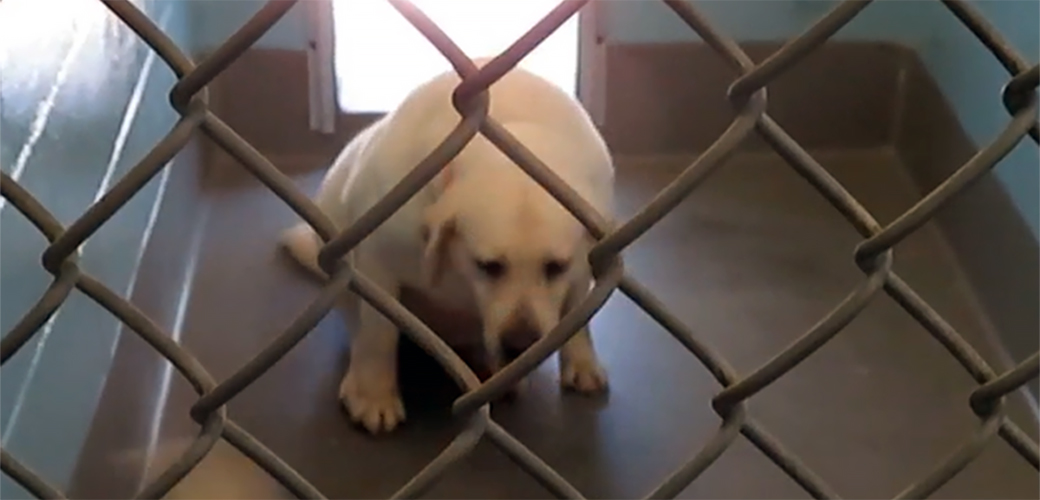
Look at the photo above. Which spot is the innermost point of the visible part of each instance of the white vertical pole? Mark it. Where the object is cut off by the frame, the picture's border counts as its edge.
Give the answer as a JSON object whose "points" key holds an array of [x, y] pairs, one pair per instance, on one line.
{"points": [[320, 65]]}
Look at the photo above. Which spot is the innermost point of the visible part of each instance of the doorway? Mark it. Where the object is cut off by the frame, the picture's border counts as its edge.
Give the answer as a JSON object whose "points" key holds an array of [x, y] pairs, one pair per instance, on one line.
{"points": [[380, 56]]}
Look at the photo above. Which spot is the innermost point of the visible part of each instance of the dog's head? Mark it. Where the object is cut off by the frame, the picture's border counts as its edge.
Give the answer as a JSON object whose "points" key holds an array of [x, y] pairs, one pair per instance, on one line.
{"points": [[519, 249]]}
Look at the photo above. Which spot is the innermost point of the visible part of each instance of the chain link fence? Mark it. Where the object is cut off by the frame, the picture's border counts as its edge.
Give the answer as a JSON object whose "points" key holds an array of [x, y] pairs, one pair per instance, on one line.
{"points": [[748, 96]]}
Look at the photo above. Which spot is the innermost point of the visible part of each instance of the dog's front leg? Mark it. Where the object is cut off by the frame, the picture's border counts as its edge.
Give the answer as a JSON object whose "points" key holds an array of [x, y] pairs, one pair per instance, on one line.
{"points": [[579, 366], [580, 369], [369, 390]]}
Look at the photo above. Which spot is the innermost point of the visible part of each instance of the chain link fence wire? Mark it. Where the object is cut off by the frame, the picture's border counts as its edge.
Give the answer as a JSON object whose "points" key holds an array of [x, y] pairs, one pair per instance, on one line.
{"points": [[747, 95]]}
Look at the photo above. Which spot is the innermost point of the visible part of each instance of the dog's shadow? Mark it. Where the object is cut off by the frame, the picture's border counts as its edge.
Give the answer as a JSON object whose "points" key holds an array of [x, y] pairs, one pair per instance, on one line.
{"points": [[427, 388]]}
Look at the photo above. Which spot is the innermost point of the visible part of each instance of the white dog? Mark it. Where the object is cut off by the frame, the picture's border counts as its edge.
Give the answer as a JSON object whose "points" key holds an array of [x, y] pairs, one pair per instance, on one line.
{"points": [[481, 237]]}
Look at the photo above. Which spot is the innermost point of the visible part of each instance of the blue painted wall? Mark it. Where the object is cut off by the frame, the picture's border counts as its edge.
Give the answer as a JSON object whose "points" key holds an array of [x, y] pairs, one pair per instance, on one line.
{"points": [[89, 67], [968, 75], [639, 21], [212, 21], [631, 21], [972, 80]]}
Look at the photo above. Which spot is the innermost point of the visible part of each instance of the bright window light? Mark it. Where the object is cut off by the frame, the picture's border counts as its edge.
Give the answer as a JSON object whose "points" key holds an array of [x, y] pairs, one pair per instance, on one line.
{"points": [[380, 56]]}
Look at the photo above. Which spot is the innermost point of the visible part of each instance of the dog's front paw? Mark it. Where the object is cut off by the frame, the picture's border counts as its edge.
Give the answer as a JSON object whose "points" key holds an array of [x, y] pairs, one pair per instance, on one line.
{"points": [[586, 377], [377, 407]]}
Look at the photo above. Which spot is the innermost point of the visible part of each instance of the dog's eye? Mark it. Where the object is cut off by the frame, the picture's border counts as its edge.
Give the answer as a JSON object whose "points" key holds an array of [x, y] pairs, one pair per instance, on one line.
{"points": [[553, 269], [491, 268]]}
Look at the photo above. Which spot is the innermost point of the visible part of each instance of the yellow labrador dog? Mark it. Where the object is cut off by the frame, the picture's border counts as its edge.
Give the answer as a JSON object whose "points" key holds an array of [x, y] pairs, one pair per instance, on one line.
{"points": [[481, 237]]}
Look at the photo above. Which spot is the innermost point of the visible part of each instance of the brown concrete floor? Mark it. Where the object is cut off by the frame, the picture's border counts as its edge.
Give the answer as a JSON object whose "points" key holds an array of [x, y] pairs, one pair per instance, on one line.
{"points": [[751, 261]]}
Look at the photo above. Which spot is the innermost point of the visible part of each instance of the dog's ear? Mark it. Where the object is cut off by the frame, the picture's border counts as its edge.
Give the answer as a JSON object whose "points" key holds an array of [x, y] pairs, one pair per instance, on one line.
{"points": [[439, 228]]}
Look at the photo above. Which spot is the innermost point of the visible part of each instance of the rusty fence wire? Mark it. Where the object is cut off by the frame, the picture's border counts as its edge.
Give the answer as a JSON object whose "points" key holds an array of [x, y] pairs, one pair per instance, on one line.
{"points": [[748, 96]]}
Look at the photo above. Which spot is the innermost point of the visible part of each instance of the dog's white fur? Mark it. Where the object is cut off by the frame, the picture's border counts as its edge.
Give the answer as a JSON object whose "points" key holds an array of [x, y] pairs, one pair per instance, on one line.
{"points": [[481, 212]]}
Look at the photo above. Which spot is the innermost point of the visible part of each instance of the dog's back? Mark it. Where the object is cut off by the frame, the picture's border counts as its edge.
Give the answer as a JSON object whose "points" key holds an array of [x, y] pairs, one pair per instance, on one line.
{"points": [[539, 114], [543, 117]]}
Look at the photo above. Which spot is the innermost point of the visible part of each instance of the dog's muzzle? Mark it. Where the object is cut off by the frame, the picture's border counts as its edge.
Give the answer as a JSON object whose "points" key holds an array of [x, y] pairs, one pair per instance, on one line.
{"points": [[518, 336]]}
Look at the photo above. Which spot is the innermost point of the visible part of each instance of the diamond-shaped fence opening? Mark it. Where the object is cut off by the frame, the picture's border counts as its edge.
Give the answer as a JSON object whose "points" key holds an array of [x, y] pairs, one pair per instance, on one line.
{"points": [[748, 97]]}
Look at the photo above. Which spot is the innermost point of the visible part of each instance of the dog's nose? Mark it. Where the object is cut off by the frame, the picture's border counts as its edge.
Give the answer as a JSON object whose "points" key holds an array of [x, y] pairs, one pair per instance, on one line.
{"points": [[519, 336]]}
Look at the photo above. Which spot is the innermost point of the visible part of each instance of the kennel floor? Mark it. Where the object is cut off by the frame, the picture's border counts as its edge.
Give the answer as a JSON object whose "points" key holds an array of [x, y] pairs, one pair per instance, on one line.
{"points": [[752, 260]]}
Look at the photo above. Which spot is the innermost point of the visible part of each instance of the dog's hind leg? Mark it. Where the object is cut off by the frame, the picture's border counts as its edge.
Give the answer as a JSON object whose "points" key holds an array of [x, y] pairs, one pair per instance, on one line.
{"points": [[300, 240], [303, 245]]}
